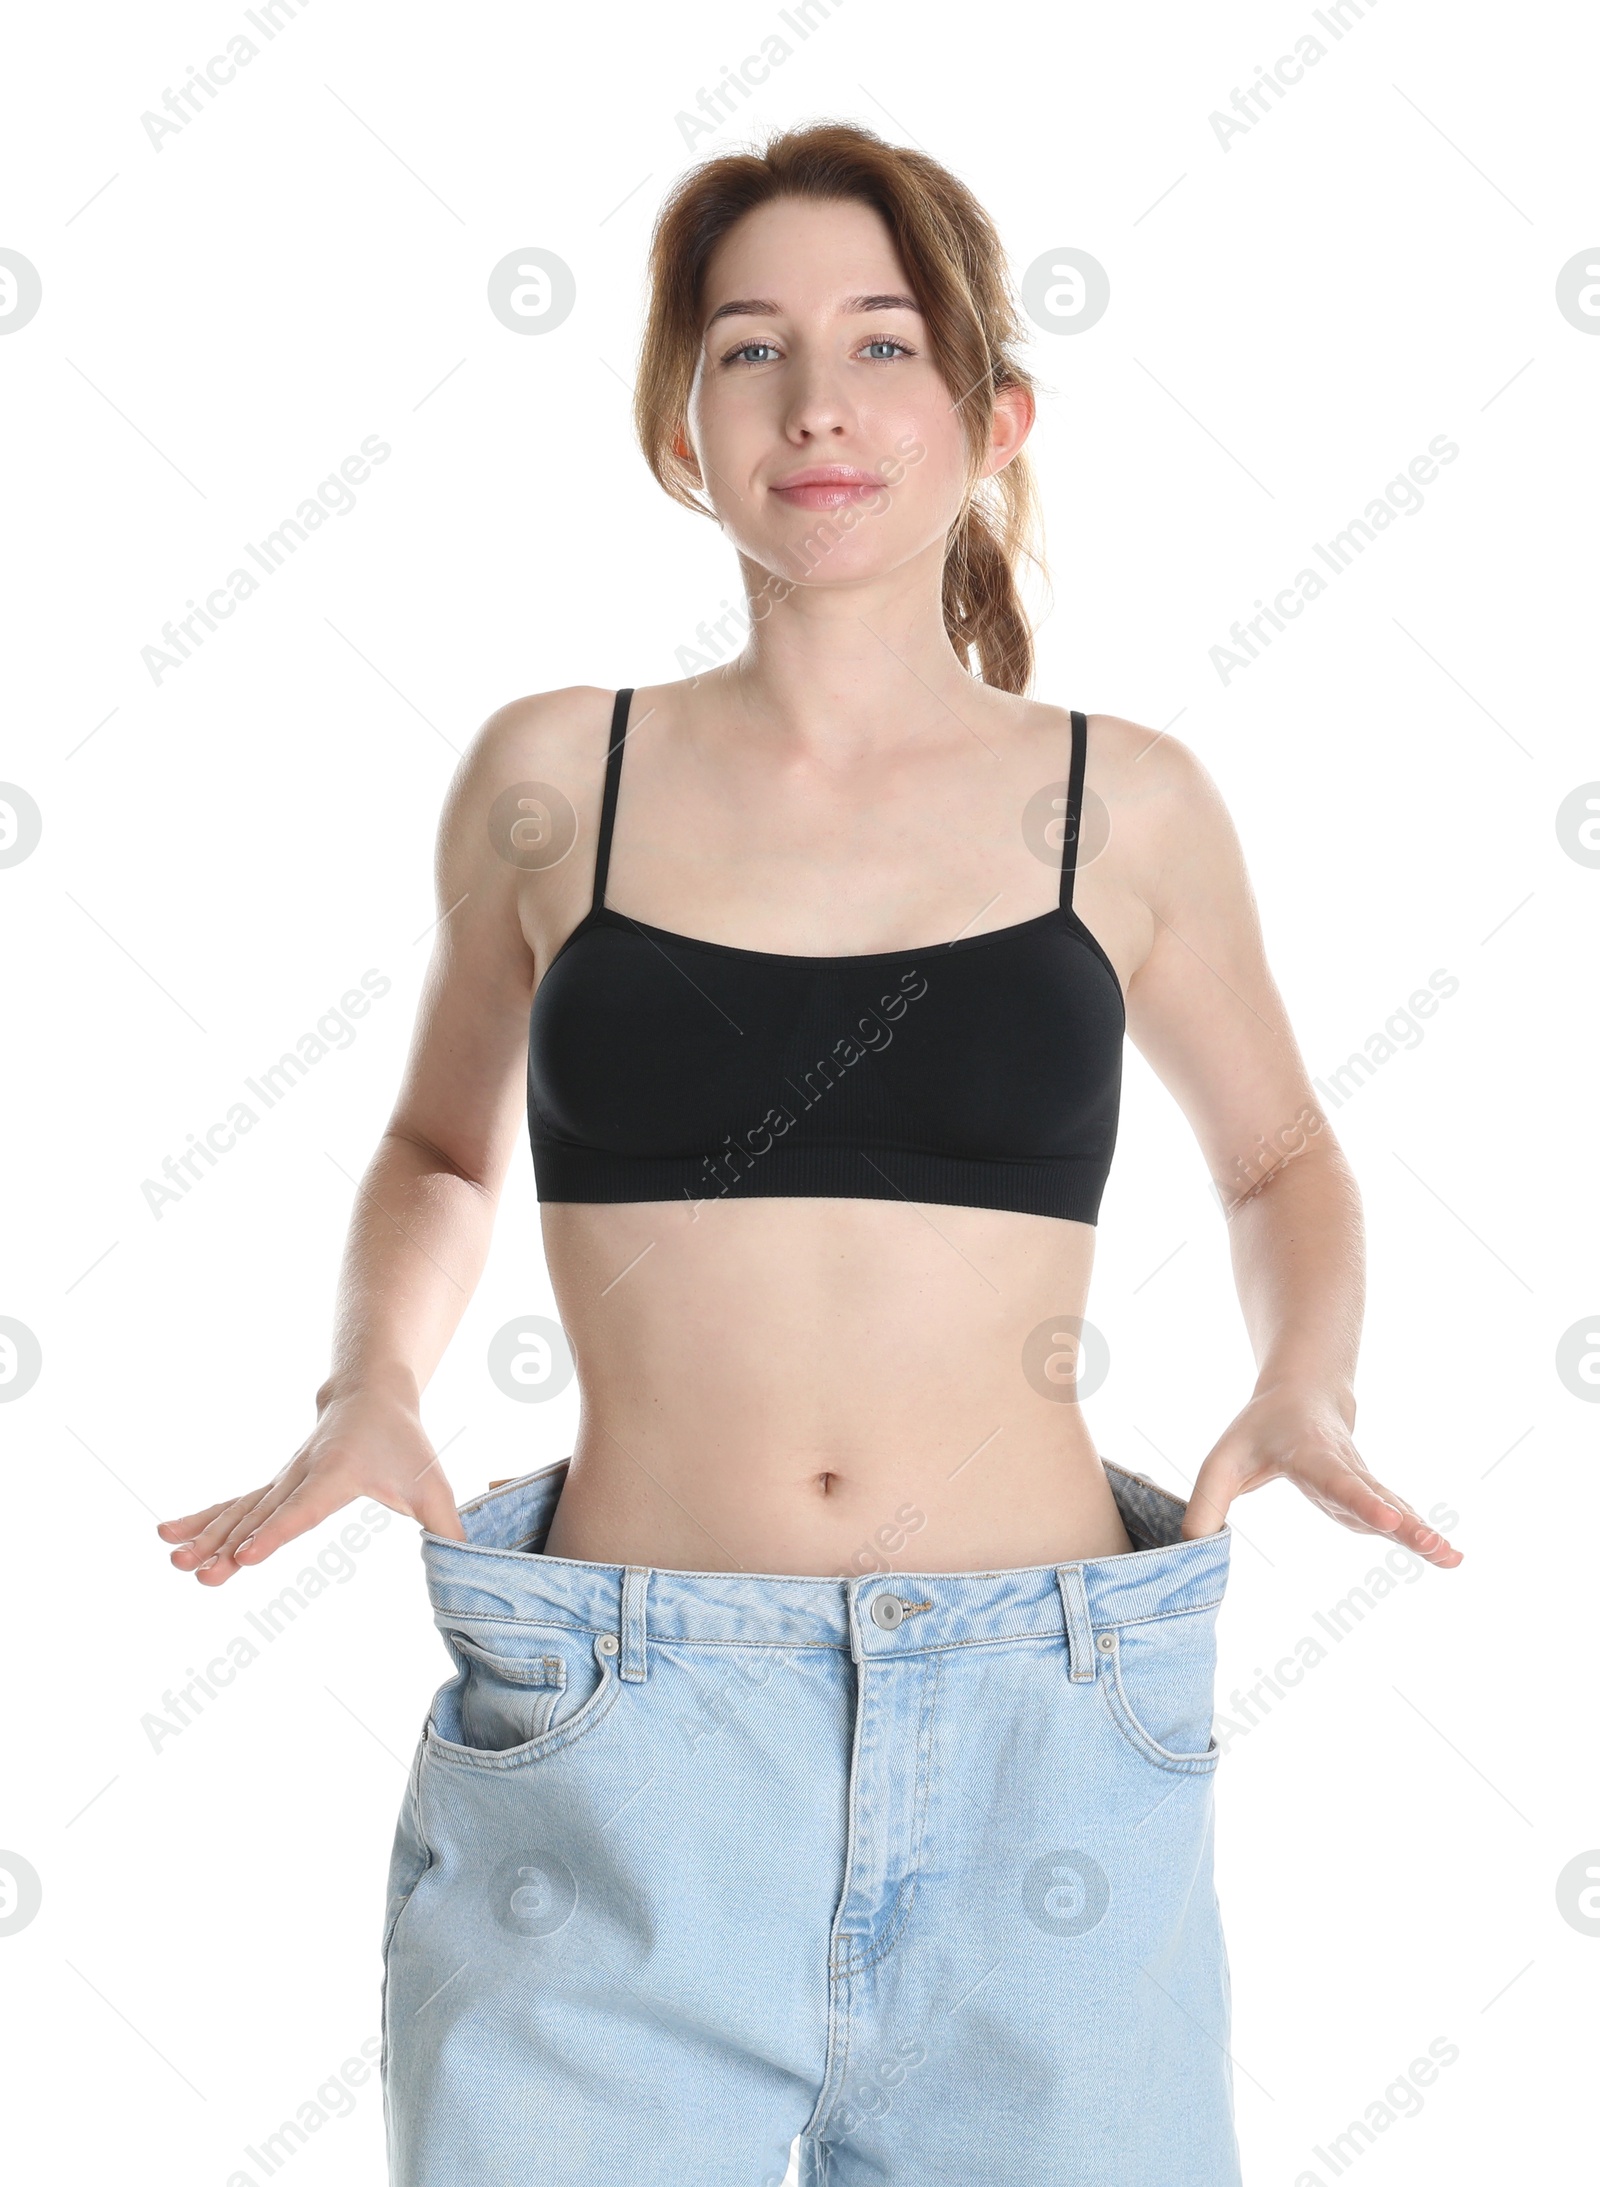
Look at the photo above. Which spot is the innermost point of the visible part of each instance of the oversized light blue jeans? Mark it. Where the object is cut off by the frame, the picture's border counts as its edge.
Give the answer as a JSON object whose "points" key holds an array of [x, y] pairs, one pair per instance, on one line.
{"points": [[916, 1866]]}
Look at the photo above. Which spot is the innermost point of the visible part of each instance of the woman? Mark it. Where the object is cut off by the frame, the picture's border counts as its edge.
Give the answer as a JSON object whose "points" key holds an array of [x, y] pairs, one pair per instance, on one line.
{"points": [[829, 1749]]}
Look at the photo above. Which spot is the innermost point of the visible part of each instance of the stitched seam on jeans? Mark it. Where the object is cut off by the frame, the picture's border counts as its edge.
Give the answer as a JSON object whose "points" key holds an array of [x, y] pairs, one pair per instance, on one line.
{"points": [[443, 1618], [839, 1968], [1047, 1634], [925, 1740], [844, 2067], [905, 1897], [837, 2065], [1160, 1757], [392, 1929], [1156, 1617], [534, 1672], [413, 1800]]}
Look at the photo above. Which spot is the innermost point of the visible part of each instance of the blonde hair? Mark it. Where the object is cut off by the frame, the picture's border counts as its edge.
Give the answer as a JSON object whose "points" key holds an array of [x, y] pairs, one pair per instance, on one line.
{"points": [[957, 270]]}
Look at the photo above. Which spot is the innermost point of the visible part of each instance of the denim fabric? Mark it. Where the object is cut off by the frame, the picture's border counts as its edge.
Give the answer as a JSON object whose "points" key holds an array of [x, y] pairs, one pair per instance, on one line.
{"points": [[915, 1866]]}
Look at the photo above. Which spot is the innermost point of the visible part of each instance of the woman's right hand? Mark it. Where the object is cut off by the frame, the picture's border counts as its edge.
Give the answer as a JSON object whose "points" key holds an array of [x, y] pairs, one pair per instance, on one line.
{"points": [[366, 1443]]}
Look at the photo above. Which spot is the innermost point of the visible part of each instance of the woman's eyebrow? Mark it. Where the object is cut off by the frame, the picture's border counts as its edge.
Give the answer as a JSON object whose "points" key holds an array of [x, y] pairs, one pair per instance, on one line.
{"points": [[762, 307]]}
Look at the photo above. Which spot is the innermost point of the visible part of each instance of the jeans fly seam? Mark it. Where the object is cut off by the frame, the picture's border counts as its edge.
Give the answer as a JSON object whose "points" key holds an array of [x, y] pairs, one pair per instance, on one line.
{"points": [[905, 1896], [835, 2062]]}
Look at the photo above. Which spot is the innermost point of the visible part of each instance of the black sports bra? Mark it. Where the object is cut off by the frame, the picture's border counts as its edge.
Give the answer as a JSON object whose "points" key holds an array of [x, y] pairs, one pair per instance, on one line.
{"points": [[983, 1072]]}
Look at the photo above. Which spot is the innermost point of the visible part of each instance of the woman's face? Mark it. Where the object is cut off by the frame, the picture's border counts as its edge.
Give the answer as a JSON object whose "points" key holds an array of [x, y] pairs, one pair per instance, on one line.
{"points": [[814, 360]]}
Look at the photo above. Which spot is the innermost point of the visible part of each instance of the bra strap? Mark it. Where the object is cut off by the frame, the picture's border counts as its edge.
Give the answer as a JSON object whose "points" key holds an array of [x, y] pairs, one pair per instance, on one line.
{"points": [[1074, 814], [608, 803]]}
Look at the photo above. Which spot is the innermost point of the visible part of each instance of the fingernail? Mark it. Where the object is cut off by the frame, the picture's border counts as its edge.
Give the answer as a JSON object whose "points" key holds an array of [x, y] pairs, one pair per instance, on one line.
{"points": [[244, 1545], [206, 1566]]}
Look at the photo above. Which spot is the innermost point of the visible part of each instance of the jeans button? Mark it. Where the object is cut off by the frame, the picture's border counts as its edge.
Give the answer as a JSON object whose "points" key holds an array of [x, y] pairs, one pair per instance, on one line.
{"points": [[608, 1644], [887, 1611]]}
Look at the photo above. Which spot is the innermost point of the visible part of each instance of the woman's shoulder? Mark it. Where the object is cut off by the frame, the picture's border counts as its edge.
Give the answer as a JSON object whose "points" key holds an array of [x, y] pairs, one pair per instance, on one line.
{"points": [[1125, 759], [1163, 810], [1140, 759], [560, 729], [542, 742], [1148, 800], [532, 772]]}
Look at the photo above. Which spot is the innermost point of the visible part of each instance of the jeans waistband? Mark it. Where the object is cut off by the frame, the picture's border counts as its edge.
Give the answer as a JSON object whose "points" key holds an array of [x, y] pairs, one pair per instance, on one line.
{"points": [[500, 1573]]}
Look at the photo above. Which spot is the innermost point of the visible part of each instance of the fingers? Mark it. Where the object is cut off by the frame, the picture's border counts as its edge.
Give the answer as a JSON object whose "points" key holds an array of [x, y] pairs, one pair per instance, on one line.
{"points": [[401, 1472], [248, 1528], [1215, 1486], [195, 1553], [1357, 1501], [433, 1503], [1344, 1491], [184, 1530], [222, 1540], [293, 1512], [1429, 1543], [1408, 1527]]}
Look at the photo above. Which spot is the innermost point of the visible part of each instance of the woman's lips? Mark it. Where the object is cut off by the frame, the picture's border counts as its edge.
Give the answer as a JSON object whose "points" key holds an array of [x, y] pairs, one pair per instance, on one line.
{"points": [[828, 493]]}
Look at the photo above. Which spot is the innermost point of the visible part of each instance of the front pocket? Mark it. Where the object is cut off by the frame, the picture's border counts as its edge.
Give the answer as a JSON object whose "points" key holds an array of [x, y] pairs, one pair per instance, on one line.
{"points": [[503, 1700], [1158, 1676], [506, 1706]]}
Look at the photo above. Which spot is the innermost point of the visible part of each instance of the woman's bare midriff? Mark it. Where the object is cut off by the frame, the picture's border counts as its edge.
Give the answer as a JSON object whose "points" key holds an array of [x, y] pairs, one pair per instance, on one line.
{"points": [[825, 1386]]}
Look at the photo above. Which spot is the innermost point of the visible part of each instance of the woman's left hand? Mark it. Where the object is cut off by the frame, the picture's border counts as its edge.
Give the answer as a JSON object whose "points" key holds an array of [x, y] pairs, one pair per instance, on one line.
{"points": [[1301, 1436]]}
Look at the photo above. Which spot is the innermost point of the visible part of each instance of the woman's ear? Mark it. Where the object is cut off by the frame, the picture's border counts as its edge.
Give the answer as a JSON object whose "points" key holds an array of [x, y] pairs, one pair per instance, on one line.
{"points": [[1014, 411], [685, 454]]}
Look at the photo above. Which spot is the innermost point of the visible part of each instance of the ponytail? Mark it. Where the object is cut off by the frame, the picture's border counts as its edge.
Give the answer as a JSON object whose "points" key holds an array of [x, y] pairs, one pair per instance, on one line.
{"points": [[983, 611]]}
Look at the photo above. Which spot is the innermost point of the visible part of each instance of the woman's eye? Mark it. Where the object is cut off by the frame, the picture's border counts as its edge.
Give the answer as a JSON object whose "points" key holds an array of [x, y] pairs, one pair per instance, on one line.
{"points": [[880, 348]]}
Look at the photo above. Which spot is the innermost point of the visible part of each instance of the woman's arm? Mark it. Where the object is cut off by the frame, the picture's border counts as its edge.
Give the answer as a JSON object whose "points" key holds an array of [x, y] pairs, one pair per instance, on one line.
{"points": [[1205, 1011], [424, 1211]]}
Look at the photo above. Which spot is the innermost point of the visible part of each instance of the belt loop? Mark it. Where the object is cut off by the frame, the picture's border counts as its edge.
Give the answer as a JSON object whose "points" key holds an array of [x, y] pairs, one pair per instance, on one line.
{"points": [[852, 1605], [635, 1587], [1080, 1634]]}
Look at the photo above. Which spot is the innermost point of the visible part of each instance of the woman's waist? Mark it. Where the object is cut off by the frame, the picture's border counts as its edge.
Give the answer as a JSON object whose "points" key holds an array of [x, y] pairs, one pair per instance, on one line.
{"points": [[942, 1494], [511, 1566]]}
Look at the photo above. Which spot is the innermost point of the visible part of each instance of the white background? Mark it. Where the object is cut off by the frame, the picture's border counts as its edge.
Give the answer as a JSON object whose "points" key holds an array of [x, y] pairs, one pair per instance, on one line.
{"points": [[1292, 319]]}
